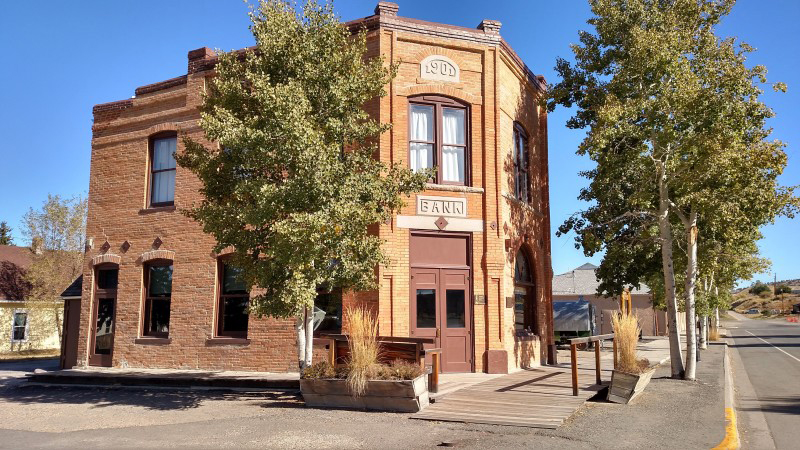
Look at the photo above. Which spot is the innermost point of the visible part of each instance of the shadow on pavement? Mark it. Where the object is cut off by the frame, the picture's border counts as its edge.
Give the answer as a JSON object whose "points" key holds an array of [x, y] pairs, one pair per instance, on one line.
{"points": [[780, 405], [155, 399]]}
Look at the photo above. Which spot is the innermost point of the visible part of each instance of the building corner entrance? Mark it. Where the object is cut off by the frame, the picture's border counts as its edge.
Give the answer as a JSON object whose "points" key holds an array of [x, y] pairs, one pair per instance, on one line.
{"points": [[440, 302]]}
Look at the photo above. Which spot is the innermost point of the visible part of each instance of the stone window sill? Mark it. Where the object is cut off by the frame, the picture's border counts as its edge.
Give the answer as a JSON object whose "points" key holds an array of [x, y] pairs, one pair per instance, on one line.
{"points": [[227, 341], [152, 341], [452, 188], [155, 209]]}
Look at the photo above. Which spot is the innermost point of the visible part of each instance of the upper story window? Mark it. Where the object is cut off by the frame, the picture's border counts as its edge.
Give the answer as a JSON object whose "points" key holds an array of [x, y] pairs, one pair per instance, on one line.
{"points": [[234, 300], [162, 169], [19, 326], [438, 138], [521, 178], [158, 297]]}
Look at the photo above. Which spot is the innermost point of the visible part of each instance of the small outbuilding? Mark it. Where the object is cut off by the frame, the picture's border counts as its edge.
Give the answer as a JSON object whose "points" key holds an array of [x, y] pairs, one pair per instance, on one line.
{"points": [[581, 284]]}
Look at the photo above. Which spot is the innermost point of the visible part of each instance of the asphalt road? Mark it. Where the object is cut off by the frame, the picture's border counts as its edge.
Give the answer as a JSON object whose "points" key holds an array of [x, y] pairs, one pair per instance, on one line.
{"points": [[768, 382]]}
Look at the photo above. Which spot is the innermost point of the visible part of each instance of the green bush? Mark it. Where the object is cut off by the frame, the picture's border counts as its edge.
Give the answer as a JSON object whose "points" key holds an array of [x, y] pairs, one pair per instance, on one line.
{"points": [[759, 288], [765, 294], [784, 289]]}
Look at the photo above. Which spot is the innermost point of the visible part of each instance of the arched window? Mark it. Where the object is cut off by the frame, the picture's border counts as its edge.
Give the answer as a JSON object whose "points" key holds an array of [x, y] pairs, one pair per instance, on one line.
{"points": [[524, 294], [521, 178], [438, 137]]}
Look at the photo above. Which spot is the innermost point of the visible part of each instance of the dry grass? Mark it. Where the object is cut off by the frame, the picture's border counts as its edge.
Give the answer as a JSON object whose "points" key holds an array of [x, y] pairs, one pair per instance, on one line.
{"points": [[364, 347], [626, 333], [30, 354], [713, 334]]}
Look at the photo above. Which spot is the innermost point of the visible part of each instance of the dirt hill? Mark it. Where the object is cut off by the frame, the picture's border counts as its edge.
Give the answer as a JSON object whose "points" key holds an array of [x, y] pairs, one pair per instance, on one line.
{"points": [[744, 301]]}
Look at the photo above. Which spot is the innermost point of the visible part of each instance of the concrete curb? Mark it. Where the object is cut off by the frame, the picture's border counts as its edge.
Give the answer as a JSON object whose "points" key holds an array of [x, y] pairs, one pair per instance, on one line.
{"points": [[731, 440]]}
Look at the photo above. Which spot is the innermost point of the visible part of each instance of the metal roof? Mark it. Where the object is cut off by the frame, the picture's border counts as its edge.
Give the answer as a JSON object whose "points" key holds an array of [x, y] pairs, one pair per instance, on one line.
{"points": [[583, 281]]}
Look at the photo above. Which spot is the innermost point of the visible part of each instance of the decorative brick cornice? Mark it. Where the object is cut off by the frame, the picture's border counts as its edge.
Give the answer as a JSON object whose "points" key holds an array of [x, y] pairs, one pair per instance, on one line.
{"points": [[157, 254], [166, 84], [106, 258], [119, 105]]}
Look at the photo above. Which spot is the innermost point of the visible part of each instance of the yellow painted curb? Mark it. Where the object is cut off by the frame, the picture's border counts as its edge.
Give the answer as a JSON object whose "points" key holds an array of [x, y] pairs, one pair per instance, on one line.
{"points": [[731, 440]]}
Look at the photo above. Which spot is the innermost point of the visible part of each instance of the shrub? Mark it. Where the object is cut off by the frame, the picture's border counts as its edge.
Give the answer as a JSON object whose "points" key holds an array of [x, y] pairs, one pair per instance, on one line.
{"points": [[713, 334], [759, 288], [626, 333], [364, 347], [765, 294], [784, 289], [322, 369]]}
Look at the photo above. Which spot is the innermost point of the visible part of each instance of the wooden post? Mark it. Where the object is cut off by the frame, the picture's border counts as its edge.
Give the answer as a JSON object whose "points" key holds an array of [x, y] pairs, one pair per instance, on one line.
{"points": [[597, 360], [434, 380], [332, 352], [573, 355], [615, 353]]}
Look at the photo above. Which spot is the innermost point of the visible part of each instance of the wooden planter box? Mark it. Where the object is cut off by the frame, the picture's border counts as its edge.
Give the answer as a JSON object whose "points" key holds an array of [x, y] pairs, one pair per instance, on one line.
{"points": [[625, 386], [381, 395]]}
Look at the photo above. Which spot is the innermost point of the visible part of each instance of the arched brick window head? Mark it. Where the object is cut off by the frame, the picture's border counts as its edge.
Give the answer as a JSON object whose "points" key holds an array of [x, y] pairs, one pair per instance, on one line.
{"points": [[439, 137]]}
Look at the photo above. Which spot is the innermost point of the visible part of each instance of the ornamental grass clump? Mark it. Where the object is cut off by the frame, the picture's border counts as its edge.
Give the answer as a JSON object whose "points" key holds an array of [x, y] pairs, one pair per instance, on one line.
{"points": [[713, 334], [626, 333], [364, 347]]}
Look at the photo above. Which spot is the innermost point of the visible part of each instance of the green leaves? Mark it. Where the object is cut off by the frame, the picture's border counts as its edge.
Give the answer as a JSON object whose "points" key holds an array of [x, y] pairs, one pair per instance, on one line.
{"points": [[656, 87], [293, 185]]}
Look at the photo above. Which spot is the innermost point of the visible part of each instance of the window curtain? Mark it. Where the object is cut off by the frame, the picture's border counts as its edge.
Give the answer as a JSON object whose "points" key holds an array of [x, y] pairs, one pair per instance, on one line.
{"points": [[421, 130], [163, 189], [453, 138]]}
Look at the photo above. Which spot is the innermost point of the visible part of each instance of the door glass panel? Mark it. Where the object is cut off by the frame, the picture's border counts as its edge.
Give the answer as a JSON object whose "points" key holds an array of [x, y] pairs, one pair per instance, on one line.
{"points": [[104, 333], [456, 317], [426, 308]]}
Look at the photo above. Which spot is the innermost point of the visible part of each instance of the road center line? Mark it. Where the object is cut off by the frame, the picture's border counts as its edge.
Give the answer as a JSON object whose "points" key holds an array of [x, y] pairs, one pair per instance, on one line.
{"points": [[784, 351]]}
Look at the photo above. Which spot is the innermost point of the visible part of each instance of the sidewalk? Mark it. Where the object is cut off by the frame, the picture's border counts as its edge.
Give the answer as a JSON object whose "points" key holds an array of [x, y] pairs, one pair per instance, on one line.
{"points": [[670, 414]]}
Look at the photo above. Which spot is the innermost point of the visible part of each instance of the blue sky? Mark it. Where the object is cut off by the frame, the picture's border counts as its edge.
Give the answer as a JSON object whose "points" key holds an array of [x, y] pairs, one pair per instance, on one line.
{"points": [[61, 58]]}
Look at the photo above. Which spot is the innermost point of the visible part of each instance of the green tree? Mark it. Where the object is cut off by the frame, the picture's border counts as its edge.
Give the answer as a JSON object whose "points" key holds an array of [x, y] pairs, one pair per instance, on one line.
{"points": [[783, 289], [5, 234], [678, 135], [292, 182], [758, 288], [57, 233]]}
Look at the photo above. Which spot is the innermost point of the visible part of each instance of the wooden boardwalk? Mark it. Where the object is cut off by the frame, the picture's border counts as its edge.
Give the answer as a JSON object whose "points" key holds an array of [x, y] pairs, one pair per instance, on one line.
{"points": [[540, 397]]}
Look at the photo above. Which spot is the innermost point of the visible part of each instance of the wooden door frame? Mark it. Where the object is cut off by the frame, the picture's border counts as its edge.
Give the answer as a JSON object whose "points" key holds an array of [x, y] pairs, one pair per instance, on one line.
{"points": [[469, 238], [95, 359]]}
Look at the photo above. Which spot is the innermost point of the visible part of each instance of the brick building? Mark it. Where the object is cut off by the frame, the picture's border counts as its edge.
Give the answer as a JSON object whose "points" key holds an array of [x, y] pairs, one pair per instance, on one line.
{"points": [[470, 255]]}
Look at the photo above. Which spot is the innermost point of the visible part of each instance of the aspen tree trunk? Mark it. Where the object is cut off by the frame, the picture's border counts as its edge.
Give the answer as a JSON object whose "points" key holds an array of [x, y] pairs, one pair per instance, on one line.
{"points": [[676, 357], [703, 332], [309, 341], [305, 338], [691, 281]]}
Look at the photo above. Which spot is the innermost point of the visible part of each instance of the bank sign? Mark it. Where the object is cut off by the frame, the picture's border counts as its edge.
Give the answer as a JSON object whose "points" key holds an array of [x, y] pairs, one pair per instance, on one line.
{"points": [[441, 206]]}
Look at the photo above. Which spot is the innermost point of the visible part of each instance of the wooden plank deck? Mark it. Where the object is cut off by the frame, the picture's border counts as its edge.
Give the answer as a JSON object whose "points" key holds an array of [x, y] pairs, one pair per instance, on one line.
{"points": [[540, 397]]}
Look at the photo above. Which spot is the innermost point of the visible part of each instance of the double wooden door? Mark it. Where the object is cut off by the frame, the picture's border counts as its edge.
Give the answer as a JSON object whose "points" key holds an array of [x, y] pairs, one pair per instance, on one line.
{"points": [[441, 308]]}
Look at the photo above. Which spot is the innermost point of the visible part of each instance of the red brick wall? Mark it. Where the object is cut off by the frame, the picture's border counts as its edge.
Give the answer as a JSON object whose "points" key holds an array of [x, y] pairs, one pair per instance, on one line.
{"points": [[497, 88]]}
